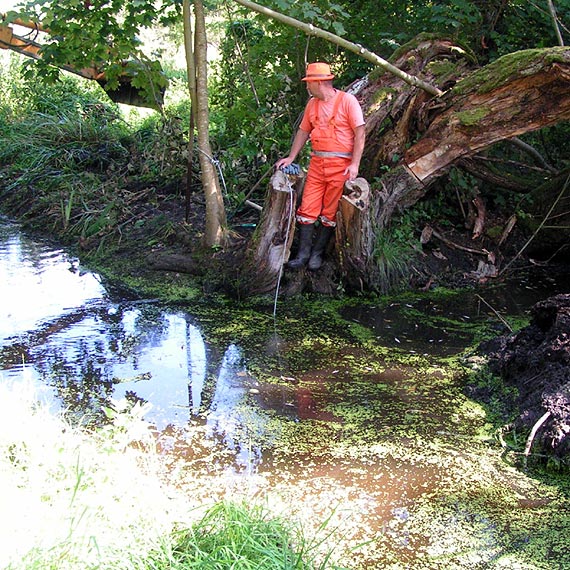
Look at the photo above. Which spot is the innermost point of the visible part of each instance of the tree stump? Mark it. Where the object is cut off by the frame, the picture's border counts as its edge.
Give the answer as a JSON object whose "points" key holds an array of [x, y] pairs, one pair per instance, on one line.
{"points": [[350, 240], [270, 244]]}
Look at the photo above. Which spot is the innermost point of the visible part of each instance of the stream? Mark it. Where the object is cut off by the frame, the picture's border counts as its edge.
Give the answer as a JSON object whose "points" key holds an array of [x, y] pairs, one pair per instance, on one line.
{"points": [[358, 414]]}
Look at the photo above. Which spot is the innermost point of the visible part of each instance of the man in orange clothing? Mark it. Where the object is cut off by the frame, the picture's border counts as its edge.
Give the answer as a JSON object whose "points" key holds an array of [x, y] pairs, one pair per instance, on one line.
{"points": [[334, 122]]}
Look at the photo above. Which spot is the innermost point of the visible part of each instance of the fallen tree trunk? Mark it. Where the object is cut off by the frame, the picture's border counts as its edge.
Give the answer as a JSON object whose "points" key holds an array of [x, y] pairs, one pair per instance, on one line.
{"points": [[519, 93]]}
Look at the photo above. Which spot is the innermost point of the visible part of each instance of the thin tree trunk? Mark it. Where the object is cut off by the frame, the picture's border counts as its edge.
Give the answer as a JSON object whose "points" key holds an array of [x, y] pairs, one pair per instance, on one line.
{"points": [[355, 48], [191, 72], [552, 10], [215, 232], [243, 58]]}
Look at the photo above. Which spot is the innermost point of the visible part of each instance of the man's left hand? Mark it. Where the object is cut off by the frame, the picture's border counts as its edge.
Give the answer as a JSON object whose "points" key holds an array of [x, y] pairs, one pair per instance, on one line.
{"points": [[351, 172]]}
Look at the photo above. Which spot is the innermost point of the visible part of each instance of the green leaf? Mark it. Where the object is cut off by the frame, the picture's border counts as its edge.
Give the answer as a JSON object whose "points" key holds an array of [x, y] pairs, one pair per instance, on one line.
{"points": [[338, 28]]}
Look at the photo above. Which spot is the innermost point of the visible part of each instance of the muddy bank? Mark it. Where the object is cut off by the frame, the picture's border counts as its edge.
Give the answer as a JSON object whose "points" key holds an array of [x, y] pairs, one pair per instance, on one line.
{"points": [[536, 361]]}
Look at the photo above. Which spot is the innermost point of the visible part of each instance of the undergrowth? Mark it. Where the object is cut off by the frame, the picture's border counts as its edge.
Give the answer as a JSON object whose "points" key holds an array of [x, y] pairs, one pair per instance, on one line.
{"points": [[70, 162]]}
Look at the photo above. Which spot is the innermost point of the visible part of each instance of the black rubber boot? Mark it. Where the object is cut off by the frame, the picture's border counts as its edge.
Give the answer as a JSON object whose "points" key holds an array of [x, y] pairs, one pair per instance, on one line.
{"points": [[305, 244], [323, 236]]}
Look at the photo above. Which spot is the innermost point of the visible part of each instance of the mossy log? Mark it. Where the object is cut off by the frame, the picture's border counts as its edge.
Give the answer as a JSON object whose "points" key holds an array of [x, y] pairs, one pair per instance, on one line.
{"points": [[519, 93]]}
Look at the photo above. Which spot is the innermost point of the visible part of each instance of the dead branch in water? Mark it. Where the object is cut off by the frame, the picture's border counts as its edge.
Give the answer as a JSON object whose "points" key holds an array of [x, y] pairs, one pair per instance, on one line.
{"points": [[532, 435], [496, 313]]}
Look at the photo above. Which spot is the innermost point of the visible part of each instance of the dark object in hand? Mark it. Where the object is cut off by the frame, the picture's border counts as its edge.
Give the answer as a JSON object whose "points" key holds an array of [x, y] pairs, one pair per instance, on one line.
{"points": [[292, 169]]}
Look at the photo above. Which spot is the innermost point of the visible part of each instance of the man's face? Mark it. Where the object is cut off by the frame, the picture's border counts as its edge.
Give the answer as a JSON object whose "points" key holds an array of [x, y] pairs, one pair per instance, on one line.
{"points": [[313, 87]]}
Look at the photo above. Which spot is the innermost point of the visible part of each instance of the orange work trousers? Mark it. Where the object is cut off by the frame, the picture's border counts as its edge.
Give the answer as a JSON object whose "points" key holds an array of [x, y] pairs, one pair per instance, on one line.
{"points": [[323, 190]]}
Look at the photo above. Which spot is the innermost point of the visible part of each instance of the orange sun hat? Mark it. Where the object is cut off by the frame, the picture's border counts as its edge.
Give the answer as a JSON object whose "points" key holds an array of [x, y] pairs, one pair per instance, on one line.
{"points": [[318, 72]]}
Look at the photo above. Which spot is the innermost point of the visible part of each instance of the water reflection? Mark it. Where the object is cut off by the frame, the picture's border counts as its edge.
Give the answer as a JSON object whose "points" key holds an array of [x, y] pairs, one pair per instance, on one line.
{"points": [[138, 353], [228, 418], [59, 327], [196, 358], [162, 360], [38, 282], [84, 350]]}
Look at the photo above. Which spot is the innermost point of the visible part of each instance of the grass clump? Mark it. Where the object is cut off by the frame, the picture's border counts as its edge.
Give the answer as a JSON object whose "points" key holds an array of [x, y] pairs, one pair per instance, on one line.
{"points": [[236, 536], [392, 254], [73, 499]]}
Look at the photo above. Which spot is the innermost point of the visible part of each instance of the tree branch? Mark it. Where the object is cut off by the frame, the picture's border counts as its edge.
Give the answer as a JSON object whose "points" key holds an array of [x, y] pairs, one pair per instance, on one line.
{"points": [[531, 151], [495, 172], [552, 11], [532, 434], [540, 226], [350, 46]]}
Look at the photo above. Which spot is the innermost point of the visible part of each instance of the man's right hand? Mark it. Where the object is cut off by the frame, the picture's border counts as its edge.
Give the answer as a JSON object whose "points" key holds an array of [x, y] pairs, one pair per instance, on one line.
{"points": [[283, 163]]}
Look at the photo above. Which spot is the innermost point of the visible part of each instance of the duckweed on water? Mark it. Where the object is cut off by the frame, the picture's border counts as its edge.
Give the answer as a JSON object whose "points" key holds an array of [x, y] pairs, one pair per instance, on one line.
{"points": [[391, 441], [337, 424]]}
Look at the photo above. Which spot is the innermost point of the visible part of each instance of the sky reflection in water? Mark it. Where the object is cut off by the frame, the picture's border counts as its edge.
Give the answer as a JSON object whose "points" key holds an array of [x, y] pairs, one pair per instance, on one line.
{"points": [[59, 327], [38, 283]]}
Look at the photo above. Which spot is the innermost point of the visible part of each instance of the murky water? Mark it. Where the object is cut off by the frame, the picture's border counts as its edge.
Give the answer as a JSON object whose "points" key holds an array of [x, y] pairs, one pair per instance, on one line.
{"points": [[315, 418]]}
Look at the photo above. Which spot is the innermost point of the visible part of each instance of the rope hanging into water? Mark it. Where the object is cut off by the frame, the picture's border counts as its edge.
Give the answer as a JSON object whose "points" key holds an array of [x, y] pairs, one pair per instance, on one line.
{"points": [[284, 249]]}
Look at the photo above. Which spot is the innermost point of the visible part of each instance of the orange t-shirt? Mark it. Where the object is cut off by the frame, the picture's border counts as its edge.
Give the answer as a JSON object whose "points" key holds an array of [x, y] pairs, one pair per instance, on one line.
{"points": [[330, 133]]}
